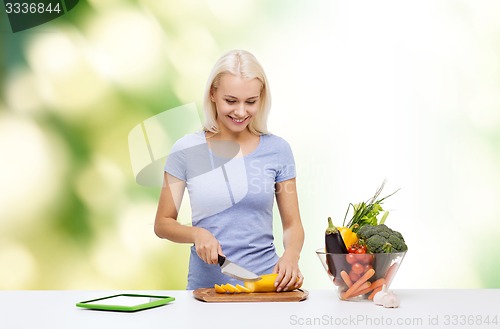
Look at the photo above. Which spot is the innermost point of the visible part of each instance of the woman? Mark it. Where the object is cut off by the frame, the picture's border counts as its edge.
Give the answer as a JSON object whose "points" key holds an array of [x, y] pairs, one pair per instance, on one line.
{"points": [[233, 170]]}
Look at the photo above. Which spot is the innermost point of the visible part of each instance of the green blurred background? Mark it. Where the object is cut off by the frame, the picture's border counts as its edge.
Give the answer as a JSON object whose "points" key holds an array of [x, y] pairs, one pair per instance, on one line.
{"points": [[364, 91]]}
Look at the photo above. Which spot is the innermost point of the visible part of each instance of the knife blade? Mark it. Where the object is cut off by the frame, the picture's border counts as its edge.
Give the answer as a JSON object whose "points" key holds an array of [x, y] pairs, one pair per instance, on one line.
{"points": [[235, 271]]}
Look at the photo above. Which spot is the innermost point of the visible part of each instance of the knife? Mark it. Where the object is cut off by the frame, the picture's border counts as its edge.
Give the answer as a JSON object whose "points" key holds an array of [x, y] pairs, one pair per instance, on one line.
{"points": [[235, 271]]}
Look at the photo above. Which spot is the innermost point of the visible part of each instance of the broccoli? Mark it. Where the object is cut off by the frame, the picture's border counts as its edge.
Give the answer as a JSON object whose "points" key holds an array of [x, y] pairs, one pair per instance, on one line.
{"points": [[381, 239], [376, 244]]}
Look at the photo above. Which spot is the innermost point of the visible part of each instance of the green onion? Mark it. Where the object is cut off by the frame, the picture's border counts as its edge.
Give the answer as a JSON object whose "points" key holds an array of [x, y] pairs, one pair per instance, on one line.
{"points": [[365, 213]]}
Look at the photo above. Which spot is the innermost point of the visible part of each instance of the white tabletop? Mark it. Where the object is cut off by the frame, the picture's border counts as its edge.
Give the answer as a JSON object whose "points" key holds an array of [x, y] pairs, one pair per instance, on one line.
{"points": [[322, 309]]}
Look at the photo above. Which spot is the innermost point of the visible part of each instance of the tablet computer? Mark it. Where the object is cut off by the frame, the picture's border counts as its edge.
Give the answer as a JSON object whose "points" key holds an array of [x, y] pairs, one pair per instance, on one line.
{"points": [[126, 302]]}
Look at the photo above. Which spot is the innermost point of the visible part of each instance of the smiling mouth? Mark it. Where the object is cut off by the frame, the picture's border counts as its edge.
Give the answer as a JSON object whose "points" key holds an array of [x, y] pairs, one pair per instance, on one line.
{"points": [[237, 121]]}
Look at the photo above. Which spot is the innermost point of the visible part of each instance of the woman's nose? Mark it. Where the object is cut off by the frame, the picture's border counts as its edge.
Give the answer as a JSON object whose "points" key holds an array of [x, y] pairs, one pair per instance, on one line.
{"points": [[240, 109]]}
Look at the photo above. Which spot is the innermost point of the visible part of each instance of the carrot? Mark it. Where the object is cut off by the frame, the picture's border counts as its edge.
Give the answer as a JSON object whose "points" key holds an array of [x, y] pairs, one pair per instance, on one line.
{"points": [[374, 292], [346, 278], [374, 285], [368, 274], [378, 283], [362, 287], [361, 292], [390, 272]]}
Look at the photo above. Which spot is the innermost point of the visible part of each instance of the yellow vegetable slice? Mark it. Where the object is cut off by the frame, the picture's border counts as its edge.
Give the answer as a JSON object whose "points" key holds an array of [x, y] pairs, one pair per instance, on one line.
{"points": [[219, 289], [242, 289], [230, 288]]}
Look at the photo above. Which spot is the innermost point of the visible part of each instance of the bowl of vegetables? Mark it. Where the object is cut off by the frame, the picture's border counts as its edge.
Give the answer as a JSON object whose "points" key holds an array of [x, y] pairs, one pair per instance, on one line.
{"points": [[362, 257], [360, 276]]}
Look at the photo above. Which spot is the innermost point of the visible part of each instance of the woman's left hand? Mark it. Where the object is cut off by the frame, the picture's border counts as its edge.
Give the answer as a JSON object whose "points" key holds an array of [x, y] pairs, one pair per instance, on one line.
{"points": [[289, 276]]}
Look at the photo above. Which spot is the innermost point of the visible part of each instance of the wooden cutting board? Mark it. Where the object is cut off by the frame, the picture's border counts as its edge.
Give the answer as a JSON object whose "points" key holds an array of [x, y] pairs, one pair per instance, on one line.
{"points": [[209, 295]]}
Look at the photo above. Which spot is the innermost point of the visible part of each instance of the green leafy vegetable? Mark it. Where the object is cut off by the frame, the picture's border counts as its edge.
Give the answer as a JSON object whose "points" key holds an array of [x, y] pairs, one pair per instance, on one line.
{"points": [[365, 213]]}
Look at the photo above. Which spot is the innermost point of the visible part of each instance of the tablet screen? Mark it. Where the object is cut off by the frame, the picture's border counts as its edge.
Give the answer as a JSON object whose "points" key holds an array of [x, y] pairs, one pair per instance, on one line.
{"points": [[124, 300]]}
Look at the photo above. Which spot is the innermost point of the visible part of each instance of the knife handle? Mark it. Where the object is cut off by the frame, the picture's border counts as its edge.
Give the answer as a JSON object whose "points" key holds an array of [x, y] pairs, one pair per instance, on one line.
{"points": [[221, 260]]}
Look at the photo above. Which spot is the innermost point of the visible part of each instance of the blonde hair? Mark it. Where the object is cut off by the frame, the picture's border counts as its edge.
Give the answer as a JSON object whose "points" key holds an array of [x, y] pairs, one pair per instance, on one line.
{"points": [[244, 64]]}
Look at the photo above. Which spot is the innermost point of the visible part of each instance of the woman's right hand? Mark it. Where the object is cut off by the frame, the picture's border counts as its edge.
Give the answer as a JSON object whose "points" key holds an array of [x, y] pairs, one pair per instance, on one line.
{"points": [[207, 246]]}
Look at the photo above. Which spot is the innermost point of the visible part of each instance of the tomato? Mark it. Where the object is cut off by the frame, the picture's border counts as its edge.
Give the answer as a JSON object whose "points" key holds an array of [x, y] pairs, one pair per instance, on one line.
{"points": [[353, 276], [357, 249], [351, 258], [367, 267], [357, 268], [361, 258], [361, 250]]}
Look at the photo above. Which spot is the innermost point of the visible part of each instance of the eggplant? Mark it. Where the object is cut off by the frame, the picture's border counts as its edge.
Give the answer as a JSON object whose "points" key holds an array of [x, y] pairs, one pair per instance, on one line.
{"points": [[334, 244]]}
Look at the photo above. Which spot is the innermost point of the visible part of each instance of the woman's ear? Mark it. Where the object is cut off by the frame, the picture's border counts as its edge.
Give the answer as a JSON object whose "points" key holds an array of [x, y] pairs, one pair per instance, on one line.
{"points": [[212, 97]]}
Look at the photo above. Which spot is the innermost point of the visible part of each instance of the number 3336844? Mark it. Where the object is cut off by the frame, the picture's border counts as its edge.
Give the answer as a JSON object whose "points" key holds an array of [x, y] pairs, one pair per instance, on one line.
{"points": [[32, 8]]}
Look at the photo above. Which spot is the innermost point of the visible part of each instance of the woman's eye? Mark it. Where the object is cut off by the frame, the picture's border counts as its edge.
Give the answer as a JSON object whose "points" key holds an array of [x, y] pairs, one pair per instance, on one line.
{"points": [[250, 102], [230, 101]]}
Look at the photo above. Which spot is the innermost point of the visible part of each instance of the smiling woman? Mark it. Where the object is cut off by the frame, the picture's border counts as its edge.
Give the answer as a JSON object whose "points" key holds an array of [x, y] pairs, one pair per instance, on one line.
{"points": [[229, 218]]}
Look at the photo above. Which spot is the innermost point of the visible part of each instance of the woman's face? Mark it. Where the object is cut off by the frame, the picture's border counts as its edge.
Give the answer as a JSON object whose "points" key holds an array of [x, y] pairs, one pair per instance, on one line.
{"points": [[237, 100]]}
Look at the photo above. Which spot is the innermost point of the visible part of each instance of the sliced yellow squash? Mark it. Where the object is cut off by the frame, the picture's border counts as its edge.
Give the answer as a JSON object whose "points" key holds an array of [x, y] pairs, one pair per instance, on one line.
{"points": [[219, 289], [266, 284], [230, 288], [242, 289]]}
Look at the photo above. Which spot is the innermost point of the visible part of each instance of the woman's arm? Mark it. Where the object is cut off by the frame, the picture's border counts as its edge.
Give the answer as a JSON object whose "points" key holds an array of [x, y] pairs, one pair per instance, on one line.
{"points": [[289, 275], [167, 227]]}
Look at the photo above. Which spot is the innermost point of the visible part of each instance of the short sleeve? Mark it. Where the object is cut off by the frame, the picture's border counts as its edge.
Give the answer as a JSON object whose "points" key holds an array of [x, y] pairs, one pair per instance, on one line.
{"points": [[183, 162], [175, 164], [286, 162]]}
